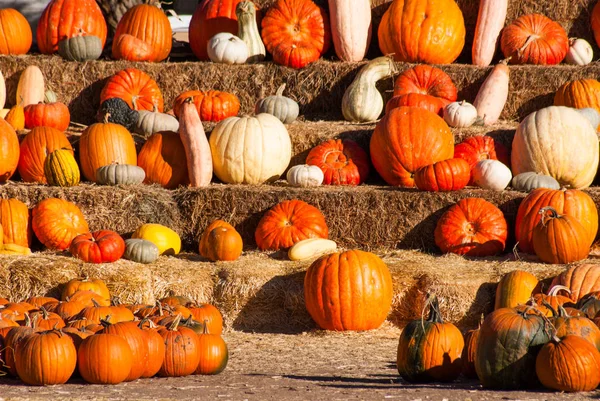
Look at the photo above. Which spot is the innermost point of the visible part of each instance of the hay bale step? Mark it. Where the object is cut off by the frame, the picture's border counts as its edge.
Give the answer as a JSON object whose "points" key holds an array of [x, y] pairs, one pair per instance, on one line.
{"points": [[259, 293]]}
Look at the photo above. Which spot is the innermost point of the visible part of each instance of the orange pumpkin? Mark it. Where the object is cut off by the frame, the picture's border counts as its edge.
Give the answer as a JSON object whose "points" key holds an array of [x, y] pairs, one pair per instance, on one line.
{"points": [[136, 339], [128, 47], [35, 147], [136, 88], [55, 115], [163, 159], [406, 139], [580, 280], [203, 245], [447, 175], [9, 151], [579, 94], [56, 222], [515, 288], [223, 243], [212, 105], [210, 315], [86, 284], [14, 219], [182, 347], [15, 32], [213, 353], [289, 222], [343, 162]]}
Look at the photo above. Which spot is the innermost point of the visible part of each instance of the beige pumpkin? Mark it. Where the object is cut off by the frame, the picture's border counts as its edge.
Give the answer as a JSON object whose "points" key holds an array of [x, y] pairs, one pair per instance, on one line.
{"points": [[305, 175], [311, 247], [557, 141], [250, 150], [31, 87], [460, 114], [350, 28], [580, 52], [491, 174]]}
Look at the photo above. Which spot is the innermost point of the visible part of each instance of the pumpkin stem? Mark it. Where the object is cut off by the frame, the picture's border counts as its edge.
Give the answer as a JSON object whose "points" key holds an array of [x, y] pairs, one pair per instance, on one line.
{"points": [[530, 39], [106, 322], [554, 290], [189, 100], [28, 322], [106, 116], [44, 313], [547, 305], [134, 99], [280, 90], [434, 310], [96, 304], [173, 326], [548, 213], [205, 329]]}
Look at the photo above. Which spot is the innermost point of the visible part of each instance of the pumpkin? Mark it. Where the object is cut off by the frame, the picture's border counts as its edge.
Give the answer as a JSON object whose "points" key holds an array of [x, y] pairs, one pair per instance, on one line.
{"points": [[136, 88], [120, 174], [289, 222], [15, 32], [148, 23], [445, 175], [460, 114], [535, 148], [245, 12], [30, 89], [515, 288], [68, 309], [221, 243], [213, 353], [350, 28], [14, 219], [167, 240], [284, 108], [362, 101], [104, 359], [422, 31], [95, 285], [305, 175], [212, 106], [140, 250], [491, 174], [530, 180], [250, 150], [203, 244], [156, 349], [44, 320], [61, 169], [13, 249], [162, 158], [468, 353], [136, 339], [9, 151], [336, 296], [117, 111], [342, 162], [310, 248], [296, 32], [568, 364], [226, 48], [16, 117], [548, 304], [406, 139], [589, 304], [574, 203], [80, 48], [182, 350], [534, 39], [592, 115], [56, 222], [151, 122], [48, 114], [490, 21], [580, 280], [429, 349], [197, 150], [508, 343], [102, 246], [46, 358], [102, 144], [67, 18], [566, 324], [210, 315], [579, 94], [130, 48], [472, 227], [12, 340], [35, 148], [580, 52]]}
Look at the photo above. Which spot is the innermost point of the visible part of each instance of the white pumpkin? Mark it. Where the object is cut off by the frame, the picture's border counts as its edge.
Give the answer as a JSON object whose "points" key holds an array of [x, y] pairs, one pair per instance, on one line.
{"points": [[150, 122], [557, 141], [310, 248], [305, 176], [227, 48], [580, 52], [250, 150], [491, 174], [592, 115], [460, 114]]}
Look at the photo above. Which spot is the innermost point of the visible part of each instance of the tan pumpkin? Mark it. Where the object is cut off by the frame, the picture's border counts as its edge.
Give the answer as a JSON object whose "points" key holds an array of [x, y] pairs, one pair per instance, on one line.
{"points": [[30, 89]]}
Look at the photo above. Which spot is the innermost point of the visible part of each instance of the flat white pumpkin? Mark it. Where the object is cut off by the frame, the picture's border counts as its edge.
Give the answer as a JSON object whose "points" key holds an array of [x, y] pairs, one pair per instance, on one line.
{"points": [[227, 48], [491, 174], [305, 175], [460, 114]]}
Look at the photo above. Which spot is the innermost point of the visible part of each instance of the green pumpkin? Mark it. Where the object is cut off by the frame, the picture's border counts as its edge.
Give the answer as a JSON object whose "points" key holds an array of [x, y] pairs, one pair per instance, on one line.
{"points": [[120, 174], [80, 48], [530, 180], [61, 169], [140, 250]]}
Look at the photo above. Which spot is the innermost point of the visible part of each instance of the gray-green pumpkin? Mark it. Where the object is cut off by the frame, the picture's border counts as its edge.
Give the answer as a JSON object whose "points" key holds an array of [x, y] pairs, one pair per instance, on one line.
{"points": [[80, 48], [120, 174], [284, 108], [530, 180], [140, 250], [150, 122]]}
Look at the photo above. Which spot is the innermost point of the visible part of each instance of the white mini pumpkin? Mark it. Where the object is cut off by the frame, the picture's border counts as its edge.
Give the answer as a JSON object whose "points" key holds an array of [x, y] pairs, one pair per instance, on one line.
{"points": [[460, 114], [305, 175], [491, 174], [580, 52], [227, 48]]}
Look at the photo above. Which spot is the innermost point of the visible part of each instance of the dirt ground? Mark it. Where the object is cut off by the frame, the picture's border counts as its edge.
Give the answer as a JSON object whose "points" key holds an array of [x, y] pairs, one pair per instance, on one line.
{"points": [[310, 366]]}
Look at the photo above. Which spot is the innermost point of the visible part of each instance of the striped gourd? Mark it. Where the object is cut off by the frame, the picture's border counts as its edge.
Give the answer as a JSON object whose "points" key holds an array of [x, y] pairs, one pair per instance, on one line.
{"points": [[61, 169]]}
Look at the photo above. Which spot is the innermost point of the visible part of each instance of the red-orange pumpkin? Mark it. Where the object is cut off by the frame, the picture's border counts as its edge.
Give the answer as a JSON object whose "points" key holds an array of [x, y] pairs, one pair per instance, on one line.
{"points": [[14, 219], [56, 222], [35, 147], [163, 159], [136, 88], [289, 222], [15, 32], [472, 227], [9, 151], [55, 115], [342, 162], [102, 246], [296, 32], [211, 105], [447, 175]]}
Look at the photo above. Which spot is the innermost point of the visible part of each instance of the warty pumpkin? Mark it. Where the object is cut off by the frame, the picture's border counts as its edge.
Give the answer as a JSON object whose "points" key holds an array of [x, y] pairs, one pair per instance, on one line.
{"points": [[15, 32], [35, 148], [342, 162]]}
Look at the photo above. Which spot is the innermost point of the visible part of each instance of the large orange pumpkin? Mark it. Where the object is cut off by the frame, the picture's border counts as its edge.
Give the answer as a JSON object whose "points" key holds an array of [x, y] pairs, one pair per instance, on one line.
{"points": [[149, 24], [211, 105], [136, 88], [579, 94], [406, 139], [102, 144], [580, 280], [289, 222], [572, 202], [422, 31], [9, 151], [35, 147], [64, 19], [338, 297], [14, 219], [56, 222], [296, 32], [163, 159], [15, 32]]}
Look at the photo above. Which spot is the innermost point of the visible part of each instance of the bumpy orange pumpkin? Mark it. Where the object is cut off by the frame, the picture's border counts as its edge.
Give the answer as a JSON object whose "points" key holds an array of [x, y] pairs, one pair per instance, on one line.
{"points": [[136, 88], [342, 162], [56, 222]]}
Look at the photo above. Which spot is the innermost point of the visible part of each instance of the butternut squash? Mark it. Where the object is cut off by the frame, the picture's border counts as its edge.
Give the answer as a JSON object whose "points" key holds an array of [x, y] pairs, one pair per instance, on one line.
{"points": [[30, 89], [493, 94], [197, 149], [490, 21], [350, 28]]}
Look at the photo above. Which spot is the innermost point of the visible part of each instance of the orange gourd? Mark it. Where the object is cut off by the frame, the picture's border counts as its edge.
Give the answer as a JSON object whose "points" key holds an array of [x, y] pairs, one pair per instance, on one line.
{"points": [[56, 222]]}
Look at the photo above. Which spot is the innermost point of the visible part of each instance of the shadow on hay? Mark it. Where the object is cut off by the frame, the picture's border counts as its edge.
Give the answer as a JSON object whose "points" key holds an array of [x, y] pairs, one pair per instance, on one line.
{"points": [[481, 305], [538, 102], [85, 104]]}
